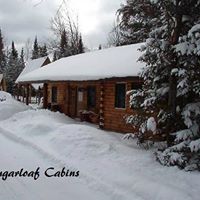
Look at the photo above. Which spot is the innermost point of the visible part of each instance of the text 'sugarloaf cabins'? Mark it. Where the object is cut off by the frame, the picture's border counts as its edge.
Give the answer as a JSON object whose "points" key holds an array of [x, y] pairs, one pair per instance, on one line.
{"points": [[92, 86]]}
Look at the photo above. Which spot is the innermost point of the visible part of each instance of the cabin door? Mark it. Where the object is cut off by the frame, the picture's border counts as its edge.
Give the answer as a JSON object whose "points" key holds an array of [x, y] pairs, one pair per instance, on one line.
{"points": [[73, 101], [80, 101]]}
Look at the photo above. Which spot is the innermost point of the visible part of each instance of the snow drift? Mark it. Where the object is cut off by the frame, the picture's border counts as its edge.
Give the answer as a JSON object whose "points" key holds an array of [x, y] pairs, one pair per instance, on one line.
{"points": [[9, 106]]}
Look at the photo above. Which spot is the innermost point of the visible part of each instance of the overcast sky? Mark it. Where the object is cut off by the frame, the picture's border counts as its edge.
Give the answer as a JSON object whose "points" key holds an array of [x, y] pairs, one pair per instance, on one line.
{"points": [[21, 19]]}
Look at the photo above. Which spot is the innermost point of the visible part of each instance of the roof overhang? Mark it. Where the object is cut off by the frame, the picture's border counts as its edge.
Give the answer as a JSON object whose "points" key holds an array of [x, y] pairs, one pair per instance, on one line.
{"points": [[134, 78]]}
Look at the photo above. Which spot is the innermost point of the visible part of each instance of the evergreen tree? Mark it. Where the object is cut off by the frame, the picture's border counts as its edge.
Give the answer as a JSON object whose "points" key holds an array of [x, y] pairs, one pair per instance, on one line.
{"points": [[64, 50], [11, 71], [80, 45], [2, 54], [43, 51], [35, 52], [20, 67], [170, 96], [21, 62], [136, 19], [55, 56], [22, 56], [14, 53]]}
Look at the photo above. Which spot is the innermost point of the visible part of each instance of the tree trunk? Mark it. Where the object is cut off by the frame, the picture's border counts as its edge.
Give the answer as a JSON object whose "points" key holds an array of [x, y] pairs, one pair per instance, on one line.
{"points": [[172, 79]]}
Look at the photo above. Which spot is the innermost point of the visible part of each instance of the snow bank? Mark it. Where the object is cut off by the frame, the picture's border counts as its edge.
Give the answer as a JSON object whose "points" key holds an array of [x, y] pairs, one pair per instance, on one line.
{"points": [[4, 96], [108, 164], [36, 122], [9, 106], [107, 63]]}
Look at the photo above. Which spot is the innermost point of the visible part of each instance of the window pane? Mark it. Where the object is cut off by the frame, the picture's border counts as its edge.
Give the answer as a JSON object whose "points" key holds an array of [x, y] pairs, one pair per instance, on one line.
{"points": [[91, 97], [54, 95], [120, 95]]}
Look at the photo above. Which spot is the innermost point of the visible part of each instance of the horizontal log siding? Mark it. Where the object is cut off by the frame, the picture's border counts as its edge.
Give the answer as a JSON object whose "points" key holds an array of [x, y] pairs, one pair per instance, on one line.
{"points": [[63, 98], [114, 117], [61, 90]]}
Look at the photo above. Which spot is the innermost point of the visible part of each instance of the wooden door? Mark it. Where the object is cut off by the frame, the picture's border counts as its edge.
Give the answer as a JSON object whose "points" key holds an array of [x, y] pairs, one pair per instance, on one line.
{"points": [[73, 101]]}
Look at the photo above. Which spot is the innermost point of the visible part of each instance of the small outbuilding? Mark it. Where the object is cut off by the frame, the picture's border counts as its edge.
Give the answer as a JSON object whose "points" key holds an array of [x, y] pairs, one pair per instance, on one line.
{"points": [[92, 86], [26, 90]]}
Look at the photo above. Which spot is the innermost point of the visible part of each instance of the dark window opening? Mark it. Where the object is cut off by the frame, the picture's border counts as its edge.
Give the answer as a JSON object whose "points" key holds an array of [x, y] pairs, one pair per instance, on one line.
{"points": [[136, 86], [54, 95], [120, 95], [91, 97]]}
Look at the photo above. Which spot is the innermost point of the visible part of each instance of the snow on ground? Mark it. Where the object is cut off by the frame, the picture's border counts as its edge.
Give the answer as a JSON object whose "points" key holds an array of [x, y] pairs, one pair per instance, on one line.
{"points": [[109, 166], [15, 156]]}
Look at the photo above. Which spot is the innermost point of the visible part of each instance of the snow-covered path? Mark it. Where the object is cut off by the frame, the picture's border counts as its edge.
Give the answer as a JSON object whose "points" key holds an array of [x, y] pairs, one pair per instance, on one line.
{"points": [[15, 156], [110, 168]]}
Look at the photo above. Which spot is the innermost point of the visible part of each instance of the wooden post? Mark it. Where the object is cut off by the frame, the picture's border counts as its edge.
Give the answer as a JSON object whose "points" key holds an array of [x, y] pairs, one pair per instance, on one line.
{"points": [[27, 94], [20, 92], [23, 93], [45, 96], [30, 94], [18, 89], [101, 112]]}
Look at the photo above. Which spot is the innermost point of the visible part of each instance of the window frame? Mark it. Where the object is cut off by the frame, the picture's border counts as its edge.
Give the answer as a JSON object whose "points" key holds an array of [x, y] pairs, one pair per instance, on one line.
{"points": [[89, 104], [54, 94], [125, 89]]}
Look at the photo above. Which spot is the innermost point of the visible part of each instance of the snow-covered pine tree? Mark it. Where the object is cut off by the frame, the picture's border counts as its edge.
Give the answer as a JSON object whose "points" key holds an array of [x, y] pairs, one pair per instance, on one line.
{"points": [[20, 67], [80, 45], [64, 50], [2, 54], [185, 151], [21, 62], [43, 51], [11, 70], [170, 98], [55, 56], [35, 52], [136, 19]]}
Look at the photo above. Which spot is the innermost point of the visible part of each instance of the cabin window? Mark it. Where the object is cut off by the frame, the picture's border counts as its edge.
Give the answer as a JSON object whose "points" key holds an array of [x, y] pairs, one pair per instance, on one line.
{"points": [[120, 95], [54, 95], [80, 94], [91, 97], [136, 86]]}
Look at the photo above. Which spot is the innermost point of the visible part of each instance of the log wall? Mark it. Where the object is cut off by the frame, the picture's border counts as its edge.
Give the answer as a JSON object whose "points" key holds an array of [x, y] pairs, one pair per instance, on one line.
{"points": [[114, 118], [110, 118]]}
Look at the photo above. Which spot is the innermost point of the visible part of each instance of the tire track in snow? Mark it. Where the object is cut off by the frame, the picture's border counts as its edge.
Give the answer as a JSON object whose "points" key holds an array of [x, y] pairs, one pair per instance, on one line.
{"points": [[93, 182]]}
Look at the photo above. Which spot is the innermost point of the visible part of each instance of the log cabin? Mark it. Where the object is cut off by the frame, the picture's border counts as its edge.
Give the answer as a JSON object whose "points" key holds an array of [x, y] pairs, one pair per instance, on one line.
{"points": [[92, 86], [30, 66], [2, 83]]}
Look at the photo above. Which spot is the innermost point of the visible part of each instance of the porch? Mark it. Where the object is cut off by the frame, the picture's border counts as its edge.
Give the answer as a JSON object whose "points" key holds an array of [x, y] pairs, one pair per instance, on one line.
{"points": [[75, 99]]}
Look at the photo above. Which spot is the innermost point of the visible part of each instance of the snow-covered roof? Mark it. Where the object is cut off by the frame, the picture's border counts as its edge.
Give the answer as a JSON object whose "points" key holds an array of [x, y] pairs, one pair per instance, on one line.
{"points": [[108, 63], [31, 65], [1, 77]]}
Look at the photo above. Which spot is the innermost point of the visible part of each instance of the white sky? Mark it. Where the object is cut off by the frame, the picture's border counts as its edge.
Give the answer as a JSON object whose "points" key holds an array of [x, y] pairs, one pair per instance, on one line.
{"points": [[20, 19]]}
